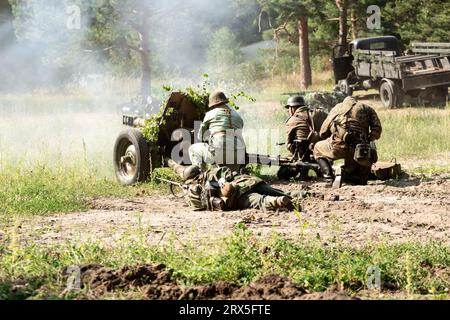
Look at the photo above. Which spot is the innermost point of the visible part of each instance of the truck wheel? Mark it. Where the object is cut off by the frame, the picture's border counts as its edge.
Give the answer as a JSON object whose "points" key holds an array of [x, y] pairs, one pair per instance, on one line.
{"points": [[391, 95], [345, 88], [131, 157]]}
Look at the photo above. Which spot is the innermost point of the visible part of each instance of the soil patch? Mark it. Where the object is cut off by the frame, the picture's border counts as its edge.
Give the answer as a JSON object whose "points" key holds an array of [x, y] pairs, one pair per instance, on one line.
{"points": [[156, 282]]}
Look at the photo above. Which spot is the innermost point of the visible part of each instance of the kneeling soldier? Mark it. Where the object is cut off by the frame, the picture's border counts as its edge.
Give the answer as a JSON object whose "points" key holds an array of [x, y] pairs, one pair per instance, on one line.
{"points": [[350, 128]]}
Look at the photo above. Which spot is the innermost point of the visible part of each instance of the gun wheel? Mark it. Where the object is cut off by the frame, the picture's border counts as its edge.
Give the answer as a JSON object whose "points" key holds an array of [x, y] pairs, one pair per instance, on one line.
{"points": [[131, 158]]}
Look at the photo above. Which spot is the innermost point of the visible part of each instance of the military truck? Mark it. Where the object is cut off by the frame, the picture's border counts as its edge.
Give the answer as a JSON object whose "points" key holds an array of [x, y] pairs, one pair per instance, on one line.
{"points": [[380, 63], [135, 158]]}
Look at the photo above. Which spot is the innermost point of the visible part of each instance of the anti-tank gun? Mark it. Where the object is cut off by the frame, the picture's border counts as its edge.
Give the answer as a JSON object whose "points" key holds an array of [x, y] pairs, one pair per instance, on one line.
{"points": [[136, 156]]}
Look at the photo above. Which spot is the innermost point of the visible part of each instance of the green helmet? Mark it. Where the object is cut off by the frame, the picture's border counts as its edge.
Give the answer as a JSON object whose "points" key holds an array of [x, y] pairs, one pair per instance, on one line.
{"points": [[191, 172], [217, 98], [295, 101]]}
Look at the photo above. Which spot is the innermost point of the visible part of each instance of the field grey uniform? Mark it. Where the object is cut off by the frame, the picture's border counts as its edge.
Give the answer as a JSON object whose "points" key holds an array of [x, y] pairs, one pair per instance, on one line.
{"points": [[222, 127]]}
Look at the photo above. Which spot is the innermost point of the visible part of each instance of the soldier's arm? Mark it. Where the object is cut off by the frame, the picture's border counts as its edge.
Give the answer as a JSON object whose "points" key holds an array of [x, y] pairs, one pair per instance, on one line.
{"points": [[375, 126], [291, 128], [325, 130], [204, 127], [289, 138]]}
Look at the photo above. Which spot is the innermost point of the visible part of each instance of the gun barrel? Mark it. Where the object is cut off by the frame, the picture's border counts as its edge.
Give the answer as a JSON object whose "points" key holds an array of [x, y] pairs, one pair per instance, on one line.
{"points": [[278, 161], [252, 158]]}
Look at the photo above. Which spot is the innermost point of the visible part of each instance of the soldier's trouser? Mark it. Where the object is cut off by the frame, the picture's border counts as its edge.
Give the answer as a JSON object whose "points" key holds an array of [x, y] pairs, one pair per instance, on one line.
{"points": [[201, 154], [177, 168], [263, 197], [326, 149], [354, 173]]}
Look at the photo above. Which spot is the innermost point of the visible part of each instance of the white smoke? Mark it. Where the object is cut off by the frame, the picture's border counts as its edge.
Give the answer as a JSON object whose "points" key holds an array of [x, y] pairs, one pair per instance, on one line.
{"points": [[57, 96]]}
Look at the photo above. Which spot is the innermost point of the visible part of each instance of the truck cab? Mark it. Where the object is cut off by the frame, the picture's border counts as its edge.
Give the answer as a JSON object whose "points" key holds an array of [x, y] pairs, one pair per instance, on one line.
{"points": [[343, 55], [380, 63]]}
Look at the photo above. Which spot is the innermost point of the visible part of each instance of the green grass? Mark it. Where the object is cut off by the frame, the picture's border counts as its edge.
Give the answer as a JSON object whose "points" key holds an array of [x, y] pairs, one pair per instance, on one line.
{"points": [[61, 189], [411, 268], [414, 133]]}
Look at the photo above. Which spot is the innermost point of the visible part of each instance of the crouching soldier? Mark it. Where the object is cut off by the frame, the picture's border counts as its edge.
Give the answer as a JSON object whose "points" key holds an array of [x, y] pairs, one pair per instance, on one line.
{"points": [[301, 132], [350, 129], [221, 189]]}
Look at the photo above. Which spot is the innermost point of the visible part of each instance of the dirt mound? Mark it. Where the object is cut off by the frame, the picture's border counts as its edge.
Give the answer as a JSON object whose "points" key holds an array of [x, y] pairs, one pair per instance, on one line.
{"points": [[100, 279], [157, 283]]}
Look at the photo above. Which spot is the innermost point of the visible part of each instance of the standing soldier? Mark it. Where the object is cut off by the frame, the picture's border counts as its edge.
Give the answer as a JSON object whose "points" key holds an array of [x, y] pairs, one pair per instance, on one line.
{"points": [[302, 130], [350, 129], [222, 127]]}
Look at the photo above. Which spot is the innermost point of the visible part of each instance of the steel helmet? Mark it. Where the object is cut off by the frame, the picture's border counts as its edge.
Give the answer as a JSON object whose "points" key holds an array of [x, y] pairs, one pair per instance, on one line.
{"points": [[217, 98], [296, 101]]}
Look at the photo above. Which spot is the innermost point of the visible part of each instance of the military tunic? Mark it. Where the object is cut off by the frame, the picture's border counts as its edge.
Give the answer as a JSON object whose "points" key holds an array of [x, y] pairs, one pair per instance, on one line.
{"points": [[298, 127], [249, 191], [353, 117], [222, 127]]}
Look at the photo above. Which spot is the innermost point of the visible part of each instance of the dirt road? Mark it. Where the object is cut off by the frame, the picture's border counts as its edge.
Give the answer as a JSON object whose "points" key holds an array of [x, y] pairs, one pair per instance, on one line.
{"points": [[394, 211]]}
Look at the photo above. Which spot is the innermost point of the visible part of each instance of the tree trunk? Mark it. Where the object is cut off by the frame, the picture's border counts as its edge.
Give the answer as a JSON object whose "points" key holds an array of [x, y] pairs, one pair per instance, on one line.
{"points": [[7, 35], [342, 6], [354, 21], [145, 58], [305, 63]]}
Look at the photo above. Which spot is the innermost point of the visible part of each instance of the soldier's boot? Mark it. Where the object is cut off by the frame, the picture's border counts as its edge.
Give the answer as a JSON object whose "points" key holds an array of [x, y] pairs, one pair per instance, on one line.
{"points": [[327, 170], [283, 203], [217, 204]]}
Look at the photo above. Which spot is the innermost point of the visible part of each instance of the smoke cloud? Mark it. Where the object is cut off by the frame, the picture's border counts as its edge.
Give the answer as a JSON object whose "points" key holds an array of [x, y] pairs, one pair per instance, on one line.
{"points": [[59, 95]]}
